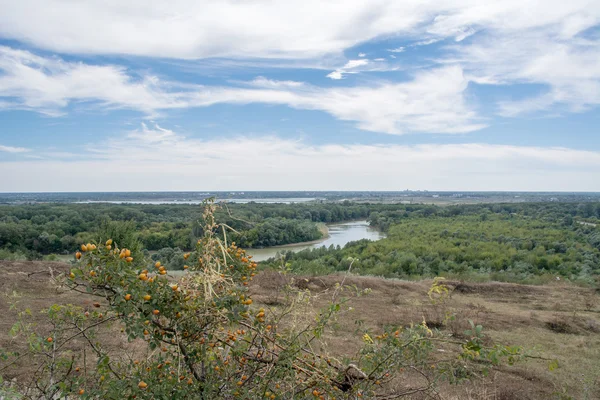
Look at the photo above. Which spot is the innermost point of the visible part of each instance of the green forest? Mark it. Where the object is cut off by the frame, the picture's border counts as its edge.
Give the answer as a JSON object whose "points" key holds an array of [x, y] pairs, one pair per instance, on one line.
{"points": [[508, 242], [524, 242], [32, 231]]}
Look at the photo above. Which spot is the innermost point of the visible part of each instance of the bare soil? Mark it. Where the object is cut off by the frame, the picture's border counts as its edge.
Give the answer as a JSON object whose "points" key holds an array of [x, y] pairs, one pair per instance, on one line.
{"points": [[558, 321]]}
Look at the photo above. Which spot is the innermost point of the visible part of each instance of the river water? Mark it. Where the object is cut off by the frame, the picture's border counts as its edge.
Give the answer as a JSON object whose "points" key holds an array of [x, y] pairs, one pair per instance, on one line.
{"points": [[339, 234], [274, 200]]}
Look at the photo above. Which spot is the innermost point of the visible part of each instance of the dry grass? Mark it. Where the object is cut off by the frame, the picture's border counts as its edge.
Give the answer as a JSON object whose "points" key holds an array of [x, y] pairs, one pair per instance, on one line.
{"points": [[557, 322], [30, 285], [510, 313]]}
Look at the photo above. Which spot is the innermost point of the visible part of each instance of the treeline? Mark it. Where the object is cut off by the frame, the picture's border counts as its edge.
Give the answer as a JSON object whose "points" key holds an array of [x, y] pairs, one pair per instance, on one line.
{"points": [[31, 231], [514, 241], [277, 231], [522, 242], [565, 213]]}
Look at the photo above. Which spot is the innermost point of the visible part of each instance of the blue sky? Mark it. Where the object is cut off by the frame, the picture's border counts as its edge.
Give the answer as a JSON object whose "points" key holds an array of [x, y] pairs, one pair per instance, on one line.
{"points": [[311, 95]]}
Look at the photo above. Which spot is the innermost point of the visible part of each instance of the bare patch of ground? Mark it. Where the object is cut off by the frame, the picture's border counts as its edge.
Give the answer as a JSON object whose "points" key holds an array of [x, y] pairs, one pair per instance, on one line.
{"points": [[559, 321], [32, 286]]}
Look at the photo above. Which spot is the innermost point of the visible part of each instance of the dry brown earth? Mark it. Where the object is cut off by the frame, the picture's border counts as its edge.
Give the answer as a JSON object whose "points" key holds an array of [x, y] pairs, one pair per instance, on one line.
{"points": [[558, 321]]}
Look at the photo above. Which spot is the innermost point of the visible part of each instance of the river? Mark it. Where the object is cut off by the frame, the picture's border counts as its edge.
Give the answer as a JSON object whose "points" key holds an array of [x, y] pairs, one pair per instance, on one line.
{"points": [[274, 200], [339, 234]]}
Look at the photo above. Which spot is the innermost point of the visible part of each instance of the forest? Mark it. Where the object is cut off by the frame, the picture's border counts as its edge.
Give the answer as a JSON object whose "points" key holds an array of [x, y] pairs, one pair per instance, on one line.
{"points": [[505, 242], [34, 230], [524, 242]]}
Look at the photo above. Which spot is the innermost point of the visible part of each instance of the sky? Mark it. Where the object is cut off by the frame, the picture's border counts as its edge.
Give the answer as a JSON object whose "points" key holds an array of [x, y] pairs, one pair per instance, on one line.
{"points": [[186, 95]]}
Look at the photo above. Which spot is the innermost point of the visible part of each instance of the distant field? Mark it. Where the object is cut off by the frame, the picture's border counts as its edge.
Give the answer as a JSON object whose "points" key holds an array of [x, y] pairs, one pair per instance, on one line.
{"points": [[404, 196]]}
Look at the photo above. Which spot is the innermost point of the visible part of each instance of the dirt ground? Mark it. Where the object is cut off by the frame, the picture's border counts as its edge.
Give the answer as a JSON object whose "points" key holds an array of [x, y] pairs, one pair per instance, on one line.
{"points": [[560, 322], [31, 285]]}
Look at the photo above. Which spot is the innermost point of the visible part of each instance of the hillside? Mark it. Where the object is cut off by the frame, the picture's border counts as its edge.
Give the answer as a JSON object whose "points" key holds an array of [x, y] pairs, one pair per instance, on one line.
{"points": [[558, 321]]}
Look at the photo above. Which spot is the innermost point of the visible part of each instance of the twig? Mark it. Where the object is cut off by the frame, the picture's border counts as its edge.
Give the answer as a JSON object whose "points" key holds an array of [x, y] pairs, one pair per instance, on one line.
{"points": [[343, 280]]}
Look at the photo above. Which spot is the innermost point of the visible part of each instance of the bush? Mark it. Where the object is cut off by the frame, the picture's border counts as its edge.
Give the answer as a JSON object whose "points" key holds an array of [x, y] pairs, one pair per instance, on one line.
{"points": [[12, 256]]}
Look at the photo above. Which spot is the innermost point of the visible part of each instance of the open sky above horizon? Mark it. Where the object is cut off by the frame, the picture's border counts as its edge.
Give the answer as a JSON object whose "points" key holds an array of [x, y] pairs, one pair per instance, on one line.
{"points": [[299, 95]]}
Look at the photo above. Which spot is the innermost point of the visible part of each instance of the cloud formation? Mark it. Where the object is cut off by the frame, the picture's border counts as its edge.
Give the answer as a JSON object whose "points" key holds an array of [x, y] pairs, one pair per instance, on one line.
{"points": [[351, 67], [129, 162], [551, 43], [261, 28], [568, 70], [432, 101], [49, 85], [11, 149]]}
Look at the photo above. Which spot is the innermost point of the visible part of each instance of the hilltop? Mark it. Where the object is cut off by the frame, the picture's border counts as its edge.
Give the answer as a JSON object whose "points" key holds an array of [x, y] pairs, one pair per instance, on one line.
{"points": [[559, 321]]}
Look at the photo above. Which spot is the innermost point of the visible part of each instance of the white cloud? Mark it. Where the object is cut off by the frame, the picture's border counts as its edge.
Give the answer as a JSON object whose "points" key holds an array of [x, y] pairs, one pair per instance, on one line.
{"points": [[229, 164], [336, 75], [49, 85], [426, 42], [198, 29], [568, 70], [355, 63], [261, 28], [351, 67], [529, 42], [510, 41], [512, 16], [433, 101], [362, 54], [397, 50], [362, 65], [460, 36], [274, 84], [11, 149]]}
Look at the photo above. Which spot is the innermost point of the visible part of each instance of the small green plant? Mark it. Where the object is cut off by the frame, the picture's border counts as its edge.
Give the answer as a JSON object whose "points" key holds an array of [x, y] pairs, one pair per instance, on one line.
{"points": [[438, 292]]}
